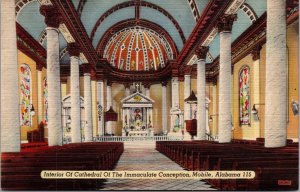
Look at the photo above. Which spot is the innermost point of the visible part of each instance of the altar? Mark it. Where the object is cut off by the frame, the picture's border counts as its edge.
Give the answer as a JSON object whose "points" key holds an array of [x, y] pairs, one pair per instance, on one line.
{"points": [[137, 115]]}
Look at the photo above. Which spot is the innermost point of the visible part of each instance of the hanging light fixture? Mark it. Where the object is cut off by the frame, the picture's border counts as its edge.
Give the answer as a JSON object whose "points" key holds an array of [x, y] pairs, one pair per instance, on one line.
{"points": [[191, 99]]}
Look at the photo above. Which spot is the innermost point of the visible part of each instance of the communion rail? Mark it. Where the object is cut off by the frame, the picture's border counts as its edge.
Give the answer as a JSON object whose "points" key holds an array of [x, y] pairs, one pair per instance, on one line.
{"points": [[137, 138]]}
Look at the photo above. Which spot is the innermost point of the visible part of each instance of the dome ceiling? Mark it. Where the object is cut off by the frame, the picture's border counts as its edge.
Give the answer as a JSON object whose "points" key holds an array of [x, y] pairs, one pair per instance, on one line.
{"points": [[138, 49]]}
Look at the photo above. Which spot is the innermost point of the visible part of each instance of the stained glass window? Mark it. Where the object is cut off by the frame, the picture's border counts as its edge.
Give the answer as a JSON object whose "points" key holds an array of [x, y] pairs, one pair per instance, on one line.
{"points": [[244, 96], [45, 101], [25, 95]]}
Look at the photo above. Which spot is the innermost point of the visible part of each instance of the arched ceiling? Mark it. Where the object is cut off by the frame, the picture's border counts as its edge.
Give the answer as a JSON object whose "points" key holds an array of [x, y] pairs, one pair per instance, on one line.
{"points": [[250, 11], [138, 49], [177, 17]]}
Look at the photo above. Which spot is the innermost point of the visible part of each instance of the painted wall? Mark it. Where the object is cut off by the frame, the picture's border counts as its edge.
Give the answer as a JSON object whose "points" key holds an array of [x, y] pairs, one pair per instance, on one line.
{"points": [[24, 59], [256, 128]]}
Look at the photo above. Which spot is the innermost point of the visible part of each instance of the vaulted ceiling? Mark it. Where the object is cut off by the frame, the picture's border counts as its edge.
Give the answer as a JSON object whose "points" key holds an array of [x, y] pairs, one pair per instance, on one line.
{"points": [[178, 19]]}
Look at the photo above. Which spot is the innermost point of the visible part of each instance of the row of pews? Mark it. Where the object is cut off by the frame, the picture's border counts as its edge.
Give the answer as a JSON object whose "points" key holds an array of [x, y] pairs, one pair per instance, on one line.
{"points": [[21, 171], [275, 168]]}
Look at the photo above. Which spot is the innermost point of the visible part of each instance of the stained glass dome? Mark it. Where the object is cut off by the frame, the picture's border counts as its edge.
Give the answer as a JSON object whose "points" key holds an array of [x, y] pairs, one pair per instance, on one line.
{"points": [[138, 49]]}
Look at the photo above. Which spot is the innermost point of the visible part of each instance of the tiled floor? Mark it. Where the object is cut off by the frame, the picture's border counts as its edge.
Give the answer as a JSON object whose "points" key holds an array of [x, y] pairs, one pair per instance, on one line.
{"points": [[140, 157]]}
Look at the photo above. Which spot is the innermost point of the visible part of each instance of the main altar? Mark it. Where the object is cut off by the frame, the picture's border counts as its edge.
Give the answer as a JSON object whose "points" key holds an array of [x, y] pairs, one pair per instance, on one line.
{"points": [[137, 115]]}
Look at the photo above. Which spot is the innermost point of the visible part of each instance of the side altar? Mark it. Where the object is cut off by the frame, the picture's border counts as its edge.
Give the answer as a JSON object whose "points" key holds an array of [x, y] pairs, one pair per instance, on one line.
{"points": [[137, 115]]}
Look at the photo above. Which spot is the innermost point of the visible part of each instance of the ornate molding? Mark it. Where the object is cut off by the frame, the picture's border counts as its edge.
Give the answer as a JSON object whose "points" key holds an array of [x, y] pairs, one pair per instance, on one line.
{"points": [[234, 7], [225, 23], [131, 23], [210, 37], [28, 45], [256, 53], [201, 52], [66, 33], [130, 4], [51, 14]]}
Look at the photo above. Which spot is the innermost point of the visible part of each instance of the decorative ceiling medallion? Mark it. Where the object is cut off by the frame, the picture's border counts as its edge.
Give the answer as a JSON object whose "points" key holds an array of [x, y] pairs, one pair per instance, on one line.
{"points": [[138, 49]]}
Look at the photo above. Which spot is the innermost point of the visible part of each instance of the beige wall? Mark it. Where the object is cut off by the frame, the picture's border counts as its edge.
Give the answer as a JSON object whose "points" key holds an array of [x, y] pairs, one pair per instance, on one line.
{"points": [[253, 131], [24, 59], [293, 77]]}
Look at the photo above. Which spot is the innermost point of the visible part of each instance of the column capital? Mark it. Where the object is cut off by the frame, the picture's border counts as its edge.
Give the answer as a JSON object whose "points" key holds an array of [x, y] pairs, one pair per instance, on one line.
{"points": [[164, 83], [51, 14], [188, 70], [109, 82], [225, 22], [73, 49], [201, 52], [86, 68], [93, 74], [256, 53], [39, 67]]}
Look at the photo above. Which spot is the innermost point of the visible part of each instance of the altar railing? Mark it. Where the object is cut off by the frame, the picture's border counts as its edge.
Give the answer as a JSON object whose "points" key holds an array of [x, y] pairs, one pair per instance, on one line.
{"points": [[136, 138]]}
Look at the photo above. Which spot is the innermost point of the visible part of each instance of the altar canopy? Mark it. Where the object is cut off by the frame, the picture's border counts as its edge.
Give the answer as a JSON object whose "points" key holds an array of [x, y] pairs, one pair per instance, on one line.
{"points": [[137, 115]]}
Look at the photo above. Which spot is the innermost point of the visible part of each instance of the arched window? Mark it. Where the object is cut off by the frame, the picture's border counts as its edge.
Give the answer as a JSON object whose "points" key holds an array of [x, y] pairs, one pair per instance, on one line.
{"points": [[45, 83], [244, 78], [25, 95]]}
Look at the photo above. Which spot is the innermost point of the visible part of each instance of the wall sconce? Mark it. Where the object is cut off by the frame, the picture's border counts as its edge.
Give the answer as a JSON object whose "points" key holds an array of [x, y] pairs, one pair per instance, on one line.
{"points": [[32, 112], [295, 107], [254, 110], [191, 99], [210, 117]]}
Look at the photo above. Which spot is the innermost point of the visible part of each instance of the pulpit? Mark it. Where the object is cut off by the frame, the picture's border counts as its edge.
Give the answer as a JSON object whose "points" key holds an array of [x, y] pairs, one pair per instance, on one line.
{"points": [[191, 127]]}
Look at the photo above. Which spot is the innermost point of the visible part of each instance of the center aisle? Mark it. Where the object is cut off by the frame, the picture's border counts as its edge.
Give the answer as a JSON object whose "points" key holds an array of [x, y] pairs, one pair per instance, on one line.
{"points": [[143, 157]]}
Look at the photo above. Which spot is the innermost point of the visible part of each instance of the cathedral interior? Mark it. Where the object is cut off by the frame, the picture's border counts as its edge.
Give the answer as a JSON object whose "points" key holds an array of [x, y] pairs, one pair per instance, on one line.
{"points": [[203, 84]]}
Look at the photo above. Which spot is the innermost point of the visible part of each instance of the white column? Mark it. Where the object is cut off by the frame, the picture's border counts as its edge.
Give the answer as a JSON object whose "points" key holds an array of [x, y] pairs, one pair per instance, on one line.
{"points": [[10, 114], [54, 93], [201, 53], [164, 108], [100, 101], [88, 130], [175, 92], [127, 90], [75, 101], [201, 108], [225, 126], [276, 75], [214, 113], [187, 92], [147, 92], [52, 19], [108, 105]]}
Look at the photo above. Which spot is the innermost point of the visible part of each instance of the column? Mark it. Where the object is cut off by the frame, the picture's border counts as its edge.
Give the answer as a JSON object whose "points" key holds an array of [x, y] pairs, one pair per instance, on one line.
{"points": [[164, 113], [147, 89], [10, 113], [88, 129], [108, 105], [100, 102], [127, 89], [175, 92], [256, 89], [276, 75], [201, 97], [52, 20], [75, 93], [187, 92], [224, 28]]}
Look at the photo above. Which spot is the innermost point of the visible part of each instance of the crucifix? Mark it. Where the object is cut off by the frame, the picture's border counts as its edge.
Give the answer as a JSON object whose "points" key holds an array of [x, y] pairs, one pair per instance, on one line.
{"points": [[137, 87]]}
